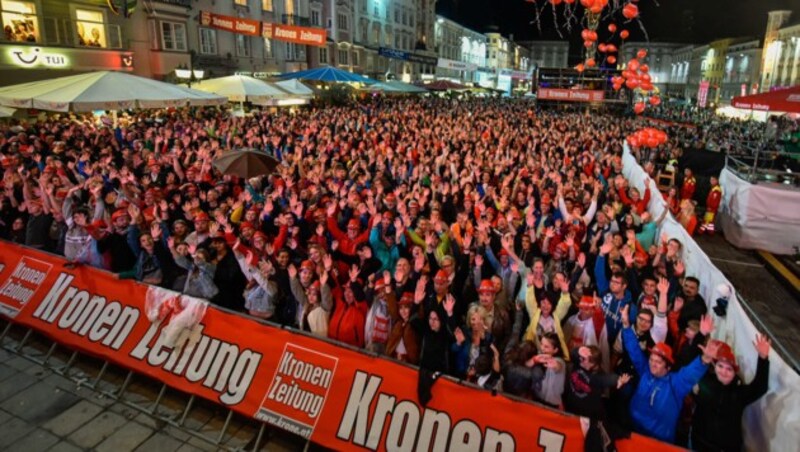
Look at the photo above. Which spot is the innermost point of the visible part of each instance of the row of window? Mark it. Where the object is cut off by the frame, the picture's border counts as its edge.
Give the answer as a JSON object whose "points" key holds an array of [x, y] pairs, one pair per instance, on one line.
{"points": [[87, 28]]}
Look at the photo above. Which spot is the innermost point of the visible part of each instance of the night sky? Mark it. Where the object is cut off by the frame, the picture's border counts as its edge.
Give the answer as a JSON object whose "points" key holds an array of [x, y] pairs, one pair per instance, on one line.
{"points": [[685, 21]]}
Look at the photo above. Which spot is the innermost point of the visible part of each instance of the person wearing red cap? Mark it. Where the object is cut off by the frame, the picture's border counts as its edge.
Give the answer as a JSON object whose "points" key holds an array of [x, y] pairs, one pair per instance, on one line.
{"points": [[497, 318], [588, 327], [349, 313], [347, 241], [201, 232], [657, 401], [721, 397], [713, 200]]}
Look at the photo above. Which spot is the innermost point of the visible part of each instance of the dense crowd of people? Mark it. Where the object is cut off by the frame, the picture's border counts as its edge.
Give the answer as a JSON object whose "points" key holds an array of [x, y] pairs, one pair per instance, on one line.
{"points": [[483, 239]]}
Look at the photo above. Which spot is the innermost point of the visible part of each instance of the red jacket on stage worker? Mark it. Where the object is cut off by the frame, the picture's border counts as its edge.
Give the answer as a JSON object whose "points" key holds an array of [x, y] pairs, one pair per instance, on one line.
{"points": [[713, 200]]}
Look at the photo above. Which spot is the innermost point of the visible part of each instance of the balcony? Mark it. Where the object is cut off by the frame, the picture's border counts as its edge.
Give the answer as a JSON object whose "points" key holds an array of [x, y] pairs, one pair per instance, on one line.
{"points": [[63, 32], [294, 19]]}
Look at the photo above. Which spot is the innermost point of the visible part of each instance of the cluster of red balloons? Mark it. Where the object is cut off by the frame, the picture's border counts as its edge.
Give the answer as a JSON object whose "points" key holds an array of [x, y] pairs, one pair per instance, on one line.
{"points": [[637, 76], [647, 137]]}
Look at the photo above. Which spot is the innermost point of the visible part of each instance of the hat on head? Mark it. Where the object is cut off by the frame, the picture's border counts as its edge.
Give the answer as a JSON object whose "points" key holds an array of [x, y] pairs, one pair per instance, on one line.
{"points": [[586, 302], [487, 287], [663, 350], [441, 277], [390, 197], [406, 299], [315, 285], [725, 354], [379, 284], [246, 225], [353, 223], [96, 224], [119, 213], [152, 162], [201, 216], [260, 235], [307, 265]]}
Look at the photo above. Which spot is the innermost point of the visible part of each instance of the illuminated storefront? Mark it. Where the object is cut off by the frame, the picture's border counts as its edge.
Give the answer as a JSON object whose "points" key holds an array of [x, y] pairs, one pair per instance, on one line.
{"points": [[23, 63]]}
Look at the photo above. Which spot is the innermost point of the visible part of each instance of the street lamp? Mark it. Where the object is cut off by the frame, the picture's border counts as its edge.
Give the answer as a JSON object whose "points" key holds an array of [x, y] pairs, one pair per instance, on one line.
{"points": [[190, 75]]}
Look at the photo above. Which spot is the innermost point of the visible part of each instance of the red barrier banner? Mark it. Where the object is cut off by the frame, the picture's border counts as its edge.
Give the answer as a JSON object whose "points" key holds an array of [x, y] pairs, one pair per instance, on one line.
{"points": [[572, 95], [291, 33], [230, 23], [335, 396]]}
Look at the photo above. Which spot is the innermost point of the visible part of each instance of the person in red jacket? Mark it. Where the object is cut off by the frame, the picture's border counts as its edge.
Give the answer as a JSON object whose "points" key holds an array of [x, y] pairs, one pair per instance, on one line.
{"points": [[637, 204], [349, 313], [713, 200], [354, 236], [689, 184]]}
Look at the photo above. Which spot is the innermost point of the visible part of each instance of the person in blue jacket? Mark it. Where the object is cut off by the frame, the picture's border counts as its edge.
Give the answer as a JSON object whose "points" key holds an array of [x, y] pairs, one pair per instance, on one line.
{"points": [[614, 294], [658, 399]]}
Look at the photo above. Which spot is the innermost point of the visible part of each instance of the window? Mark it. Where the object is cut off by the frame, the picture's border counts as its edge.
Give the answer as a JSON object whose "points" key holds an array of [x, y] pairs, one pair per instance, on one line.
{"points": [[91, 28], [173, 36], [343, 57], [266, 5], [342, 18], [355, 58], [315, 18], [289, 8], [240, 2], [397, 16], [19, 21], [376, 9], [208, 41], [323, 55], [295, 52], [267, 48], [242, 46]]}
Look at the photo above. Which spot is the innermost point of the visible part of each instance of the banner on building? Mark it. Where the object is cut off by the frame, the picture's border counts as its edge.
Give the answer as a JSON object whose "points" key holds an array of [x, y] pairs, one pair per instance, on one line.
{"points": [[444, 63], [407, 56], [570, 95], [229, 23], [702, 93], [517, 75], [298, 35], [335, 396]]}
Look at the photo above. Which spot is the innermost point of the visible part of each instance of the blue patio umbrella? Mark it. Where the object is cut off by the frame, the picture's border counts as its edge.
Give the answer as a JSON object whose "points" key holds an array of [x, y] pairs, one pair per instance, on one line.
{"points": [[328, 74]]}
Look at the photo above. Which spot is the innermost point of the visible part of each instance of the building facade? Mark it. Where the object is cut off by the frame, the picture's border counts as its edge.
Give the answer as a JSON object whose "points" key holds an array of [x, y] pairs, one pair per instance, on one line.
{"points": [[460, 50], [549, 54], [781, 56], [742, 70]]}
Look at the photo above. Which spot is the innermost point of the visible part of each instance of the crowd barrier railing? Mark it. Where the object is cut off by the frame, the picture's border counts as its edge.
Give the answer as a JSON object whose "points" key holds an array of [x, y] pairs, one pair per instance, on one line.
{"points": [[333, 395], [773, 422]]}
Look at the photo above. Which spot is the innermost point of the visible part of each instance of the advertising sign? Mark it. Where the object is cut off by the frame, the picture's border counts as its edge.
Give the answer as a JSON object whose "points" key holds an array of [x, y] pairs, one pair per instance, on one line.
{"points": [[298, 35], [337, 397], [702, 93], [570, 95], [229, 23], [407, 56], [15, 56]]}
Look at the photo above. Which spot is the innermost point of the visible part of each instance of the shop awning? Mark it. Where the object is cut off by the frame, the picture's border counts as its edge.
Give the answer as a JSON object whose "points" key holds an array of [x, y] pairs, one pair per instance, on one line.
{"points": [[785, 100], [103, 90], [328, 74]]}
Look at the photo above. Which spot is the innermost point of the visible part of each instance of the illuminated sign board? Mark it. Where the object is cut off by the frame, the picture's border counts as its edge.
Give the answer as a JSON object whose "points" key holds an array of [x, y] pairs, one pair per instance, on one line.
{"points": [[15, 56], [32, 57]]}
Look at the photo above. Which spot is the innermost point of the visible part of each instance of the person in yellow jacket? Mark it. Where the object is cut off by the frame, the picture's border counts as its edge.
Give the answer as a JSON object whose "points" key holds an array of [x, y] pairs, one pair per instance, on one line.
{"points": [[543, 317]]}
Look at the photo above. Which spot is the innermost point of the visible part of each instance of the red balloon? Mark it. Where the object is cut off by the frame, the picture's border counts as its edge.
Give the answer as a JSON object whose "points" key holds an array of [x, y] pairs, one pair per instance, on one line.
{"points": [[624, 34], [632, 83], [638, 108], [652, 142], [597, 8], [587, 3], [644, 77], [646, 86], [555, 2], [612, 59], [633, 65], [641, 54], [633, 140], [644, 68], [655, 101], [628, 74], [579, 67], [591, 62], [601, 48], [569, 2], [588, 44], [611, 48], [612, 28], [586, 34], [630, 11]]}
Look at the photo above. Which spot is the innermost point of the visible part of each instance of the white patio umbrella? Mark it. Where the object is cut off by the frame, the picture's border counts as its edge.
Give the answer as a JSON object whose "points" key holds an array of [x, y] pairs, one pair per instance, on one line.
{"points": [[295, 88], [6, 112], [102, 90], [241, 88]]}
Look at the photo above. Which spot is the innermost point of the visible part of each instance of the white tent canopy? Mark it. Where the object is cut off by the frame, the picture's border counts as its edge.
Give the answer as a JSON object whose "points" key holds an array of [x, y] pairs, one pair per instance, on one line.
{"points": [[241, 88], [102, 90], [295, 88], [6, 112]]}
